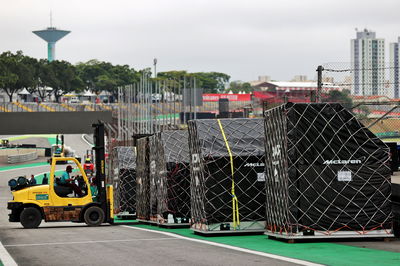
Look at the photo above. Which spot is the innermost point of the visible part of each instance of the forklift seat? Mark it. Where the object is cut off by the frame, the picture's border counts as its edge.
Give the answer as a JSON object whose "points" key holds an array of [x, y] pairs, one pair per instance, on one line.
{"points": [[60, 190]]}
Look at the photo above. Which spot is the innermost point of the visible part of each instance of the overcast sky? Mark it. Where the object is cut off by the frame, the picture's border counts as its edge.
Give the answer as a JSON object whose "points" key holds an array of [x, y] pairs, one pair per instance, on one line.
{"points": [[244, 38]]}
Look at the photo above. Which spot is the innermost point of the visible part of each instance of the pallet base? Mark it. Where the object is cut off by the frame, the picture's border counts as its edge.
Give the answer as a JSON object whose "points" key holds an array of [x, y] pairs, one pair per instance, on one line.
{"points": [[147, 222], [175, 225], [337, 235], [228, 232], [126, 216]]}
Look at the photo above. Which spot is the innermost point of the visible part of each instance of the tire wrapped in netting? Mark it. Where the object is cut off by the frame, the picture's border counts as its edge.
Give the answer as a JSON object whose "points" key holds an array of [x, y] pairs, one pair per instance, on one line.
{"points": [[124, 179], [212, 206], [326, 173], [154, 180], [143, 179], [170, 177]]}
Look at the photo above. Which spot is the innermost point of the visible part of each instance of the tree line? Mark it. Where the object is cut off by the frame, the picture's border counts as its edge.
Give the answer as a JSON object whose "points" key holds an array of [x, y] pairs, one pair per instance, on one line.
{"points": [[18, 72]]}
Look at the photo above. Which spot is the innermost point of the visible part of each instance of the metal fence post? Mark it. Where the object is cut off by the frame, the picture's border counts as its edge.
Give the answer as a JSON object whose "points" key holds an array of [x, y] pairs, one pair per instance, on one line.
{"points": [[319, 85]]}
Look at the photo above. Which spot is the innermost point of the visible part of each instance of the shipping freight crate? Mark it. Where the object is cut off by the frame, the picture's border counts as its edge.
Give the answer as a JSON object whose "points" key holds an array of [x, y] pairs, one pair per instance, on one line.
{"points": [[124, 181], [143, 180], [170, 178], [227, 176], [327, 175]]}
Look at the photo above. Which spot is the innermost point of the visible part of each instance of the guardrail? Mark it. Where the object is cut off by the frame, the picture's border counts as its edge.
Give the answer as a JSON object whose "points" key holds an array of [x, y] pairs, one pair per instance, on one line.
{"points": [[22, 157]]}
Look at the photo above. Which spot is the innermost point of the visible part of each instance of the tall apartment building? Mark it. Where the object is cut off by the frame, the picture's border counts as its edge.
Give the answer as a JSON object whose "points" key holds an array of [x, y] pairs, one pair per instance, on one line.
{"points": [[394, 67], [368, 62]]}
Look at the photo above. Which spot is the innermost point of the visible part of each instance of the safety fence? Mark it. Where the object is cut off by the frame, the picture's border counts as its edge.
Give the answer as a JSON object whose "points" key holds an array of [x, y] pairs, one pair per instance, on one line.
{"points": [[370, 91]]}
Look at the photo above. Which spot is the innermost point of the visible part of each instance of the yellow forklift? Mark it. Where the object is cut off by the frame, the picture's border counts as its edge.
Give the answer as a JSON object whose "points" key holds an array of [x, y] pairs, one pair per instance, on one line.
{"points": [[55, 202]]}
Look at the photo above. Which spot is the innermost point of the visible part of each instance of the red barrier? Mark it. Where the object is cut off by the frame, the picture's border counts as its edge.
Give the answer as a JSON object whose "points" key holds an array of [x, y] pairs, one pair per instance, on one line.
{"points": [[214, 97]]}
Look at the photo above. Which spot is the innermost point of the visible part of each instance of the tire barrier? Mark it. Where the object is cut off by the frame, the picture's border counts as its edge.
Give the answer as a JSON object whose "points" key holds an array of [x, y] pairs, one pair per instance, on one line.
{"points": [[143, 180]]}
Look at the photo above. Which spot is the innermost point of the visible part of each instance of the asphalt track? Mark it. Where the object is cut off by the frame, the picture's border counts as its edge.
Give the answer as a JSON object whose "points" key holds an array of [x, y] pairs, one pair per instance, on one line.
{"points": [[77, 244]]}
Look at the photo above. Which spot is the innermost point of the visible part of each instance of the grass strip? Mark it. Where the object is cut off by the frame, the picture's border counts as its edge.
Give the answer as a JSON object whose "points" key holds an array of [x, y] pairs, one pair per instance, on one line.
{"points": [[11, 167]]}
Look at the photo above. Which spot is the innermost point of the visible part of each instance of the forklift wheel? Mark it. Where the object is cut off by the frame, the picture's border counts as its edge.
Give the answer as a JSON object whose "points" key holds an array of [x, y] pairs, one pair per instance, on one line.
{"points": [[30, 217], [93, 216]]}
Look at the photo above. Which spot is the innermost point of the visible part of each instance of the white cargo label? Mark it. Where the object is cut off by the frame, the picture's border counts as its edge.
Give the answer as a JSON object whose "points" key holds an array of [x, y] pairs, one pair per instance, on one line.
{"points": [[260, 177], [344, 176]]}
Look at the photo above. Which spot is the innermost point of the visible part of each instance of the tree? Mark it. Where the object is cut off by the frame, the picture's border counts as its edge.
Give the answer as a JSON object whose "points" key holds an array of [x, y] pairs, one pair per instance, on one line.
{"points": [[15, 75], [237, 87], [7, 78], [63, 79], [44, 76], [211, 82], [340, 97]]}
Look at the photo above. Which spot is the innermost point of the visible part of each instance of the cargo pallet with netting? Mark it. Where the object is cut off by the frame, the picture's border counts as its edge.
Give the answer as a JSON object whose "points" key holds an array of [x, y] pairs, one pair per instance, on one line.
{"points": [[327, 175], [143, 181], [170, 179], [124, 182], [227, 176]]}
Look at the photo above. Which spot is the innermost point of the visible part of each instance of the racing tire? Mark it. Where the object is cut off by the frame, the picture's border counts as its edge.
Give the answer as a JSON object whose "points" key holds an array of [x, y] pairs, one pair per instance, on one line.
{"points": [[30, 217], [93, 216]]}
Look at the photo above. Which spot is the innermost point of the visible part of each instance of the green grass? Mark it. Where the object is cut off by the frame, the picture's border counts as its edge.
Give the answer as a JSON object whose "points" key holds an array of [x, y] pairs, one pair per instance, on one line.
{"points": [[4, 168], [32, 136], [324, 253]]}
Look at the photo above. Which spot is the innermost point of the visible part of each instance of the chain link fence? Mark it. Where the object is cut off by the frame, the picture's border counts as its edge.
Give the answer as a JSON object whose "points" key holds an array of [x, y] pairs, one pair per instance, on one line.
{"points": [[370, 91]]}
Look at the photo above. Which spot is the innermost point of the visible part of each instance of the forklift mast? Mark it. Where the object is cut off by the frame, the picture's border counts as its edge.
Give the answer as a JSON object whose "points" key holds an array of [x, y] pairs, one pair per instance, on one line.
{"points": [[99, 147]]}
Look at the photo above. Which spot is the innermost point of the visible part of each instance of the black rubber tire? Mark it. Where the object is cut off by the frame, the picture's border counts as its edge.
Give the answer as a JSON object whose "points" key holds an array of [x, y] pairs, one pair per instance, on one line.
{"points": [[93, 216], [30, 217]]}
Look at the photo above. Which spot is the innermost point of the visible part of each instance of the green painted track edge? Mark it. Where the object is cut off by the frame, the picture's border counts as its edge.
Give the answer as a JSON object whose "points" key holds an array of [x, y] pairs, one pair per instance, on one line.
{"points": [[317, 252]]}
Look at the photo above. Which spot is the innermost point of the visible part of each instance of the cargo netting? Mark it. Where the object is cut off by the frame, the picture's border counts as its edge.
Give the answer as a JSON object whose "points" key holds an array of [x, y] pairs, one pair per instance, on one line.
{"points": [[169, 177], [227, 174], [124, 179], [143, 180], [326, 173]]}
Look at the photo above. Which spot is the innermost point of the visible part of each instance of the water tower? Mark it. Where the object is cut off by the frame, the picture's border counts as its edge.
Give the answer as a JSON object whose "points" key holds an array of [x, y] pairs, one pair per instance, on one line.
{"points": [[51, 35]]}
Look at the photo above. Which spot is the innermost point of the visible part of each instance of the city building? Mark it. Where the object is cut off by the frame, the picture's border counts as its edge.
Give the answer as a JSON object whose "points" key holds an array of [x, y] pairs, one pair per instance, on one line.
{"points": [[300, 78], [394, 67], [368, 64], [264, 78]]}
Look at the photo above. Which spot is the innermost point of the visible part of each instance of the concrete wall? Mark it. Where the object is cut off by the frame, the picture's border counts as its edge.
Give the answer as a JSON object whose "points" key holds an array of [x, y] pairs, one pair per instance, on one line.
{"points": [[26, 157], [5, 154], [51, 122]]}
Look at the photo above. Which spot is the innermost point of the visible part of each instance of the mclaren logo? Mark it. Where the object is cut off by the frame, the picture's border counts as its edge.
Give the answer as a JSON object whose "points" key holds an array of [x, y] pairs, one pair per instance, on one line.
{"points": [[342, 162], [254, 164]]}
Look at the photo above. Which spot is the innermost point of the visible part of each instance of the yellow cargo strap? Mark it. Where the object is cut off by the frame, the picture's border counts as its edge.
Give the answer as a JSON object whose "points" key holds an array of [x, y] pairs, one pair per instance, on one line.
{"points": [[235, 202]]}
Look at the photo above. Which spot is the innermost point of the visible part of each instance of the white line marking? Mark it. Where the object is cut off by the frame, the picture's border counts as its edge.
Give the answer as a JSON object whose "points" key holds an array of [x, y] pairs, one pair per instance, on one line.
{"points": [[268, 255], [87, 142], [5, 257], [90, 242]]}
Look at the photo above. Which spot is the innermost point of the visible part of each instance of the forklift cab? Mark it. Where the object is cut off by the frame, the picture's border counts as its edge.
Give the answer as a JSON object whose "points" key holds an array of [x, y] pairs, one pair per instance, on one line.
{"points": [[80, 180]]}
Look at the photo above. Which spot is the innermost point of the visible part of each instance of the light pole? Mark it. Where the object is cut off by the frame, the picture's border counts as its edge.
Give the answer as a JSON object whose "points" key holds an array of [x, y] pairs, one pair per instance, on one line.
{"points": [[155, 67]]}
